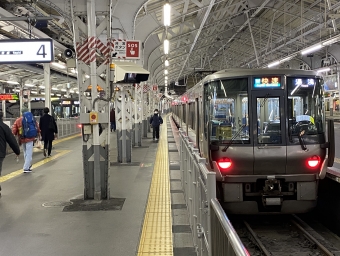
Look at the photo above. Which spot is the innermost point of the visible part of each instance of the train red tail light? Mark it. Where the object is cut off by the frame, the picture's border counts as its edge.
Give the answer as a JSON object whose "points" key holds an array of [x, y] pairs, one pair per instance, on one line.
{"points": [[224, 164], [313, 161]]}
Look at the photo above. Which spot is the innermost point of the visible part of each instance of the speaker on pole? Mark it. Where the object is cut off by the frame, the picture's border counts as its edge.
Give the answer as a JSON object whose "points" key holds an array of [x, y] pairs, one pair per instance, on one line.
{"points": [[68, 53]]}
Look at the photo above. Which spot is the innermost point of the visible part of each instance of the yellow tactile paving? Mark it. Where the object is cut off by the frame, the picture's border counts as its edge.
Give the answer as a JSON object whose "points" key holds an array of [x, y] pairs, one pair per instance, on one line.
{"points": [[337, 160], [156, 237]]}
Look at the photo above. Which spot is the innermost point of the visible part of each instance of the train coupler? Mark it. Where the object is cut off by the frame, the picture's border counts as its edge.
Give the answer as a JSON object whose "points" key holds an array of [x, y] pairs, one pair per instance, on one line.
{"points": [[272, 192]]}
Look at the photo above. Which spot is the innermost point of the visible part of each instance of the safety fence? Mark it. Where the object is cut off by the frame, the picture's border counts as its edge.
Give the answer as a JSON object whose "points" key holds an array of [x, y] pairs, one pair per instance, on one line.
{"points": [[212, 231], [66, 126]]}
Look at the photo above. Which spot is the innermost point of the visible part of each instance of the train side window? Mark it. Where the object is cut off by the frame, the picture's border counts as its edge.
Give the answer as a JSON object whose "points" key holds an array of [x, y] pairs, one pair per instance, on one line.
{"points": [[268, 121]]}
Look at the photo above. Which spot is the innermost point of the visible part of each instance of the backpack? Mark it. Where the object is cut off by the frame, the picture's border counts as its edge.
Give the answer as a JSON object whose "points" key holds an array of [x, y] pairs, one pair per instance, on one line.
{"points": [[29, 125]]}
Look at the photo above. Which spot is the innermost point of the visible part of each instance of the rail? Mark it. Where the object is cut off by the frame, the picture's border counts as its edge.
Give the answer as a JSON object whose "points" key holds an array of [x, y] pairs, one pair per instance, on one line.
{"points": [[66, 127], [213, 234]]}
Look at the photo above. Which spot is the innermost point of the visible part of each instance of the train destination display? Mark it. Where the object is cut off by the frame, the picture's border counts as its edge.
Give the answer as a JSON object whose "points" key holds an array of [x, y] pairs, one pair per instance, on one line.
{"points": [[267, 82], [26, 51]]}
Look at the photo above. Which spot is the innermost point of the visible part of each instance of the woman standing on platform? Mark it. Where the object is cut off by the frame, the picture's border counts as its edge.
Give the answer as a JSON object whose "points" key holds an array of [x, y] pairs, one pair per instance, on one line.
{"points": [[49, 131]]}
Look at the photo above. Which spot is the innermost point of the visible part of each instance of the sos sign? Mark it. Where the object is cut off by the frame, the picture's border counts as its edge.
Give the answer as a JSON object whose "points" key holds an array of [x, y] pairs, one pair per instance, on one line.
{"points": [[132, 49]]}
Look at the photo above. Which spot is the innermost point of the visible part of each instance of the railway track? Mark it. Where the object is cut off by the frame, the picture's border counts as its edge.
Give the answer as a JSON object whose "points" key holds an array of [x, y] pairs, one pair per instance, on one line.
{"points": [[282, 236]]}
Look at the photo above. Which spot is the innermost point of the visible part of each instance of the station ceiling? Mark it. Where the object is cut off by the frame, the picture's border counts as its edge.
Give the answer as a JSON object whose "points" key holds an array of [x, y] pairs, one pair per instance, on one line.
{"points": [[204, 35]]}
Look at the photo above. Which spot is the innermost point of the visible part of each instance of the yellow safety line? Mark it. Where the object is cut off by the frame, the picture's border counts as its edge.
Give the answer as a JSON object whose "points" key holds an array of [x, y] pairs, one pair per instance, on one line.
{"points": [[66, 138], [156, 237], [46, 160], [337, 160]]}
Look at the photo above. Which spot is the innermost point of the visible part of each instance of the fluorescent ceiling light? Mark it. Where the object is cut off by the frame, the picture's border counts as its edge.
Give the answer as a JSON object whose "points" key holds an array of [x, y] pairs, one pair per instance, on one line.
{"points": [[63, 90], [323, 70], [311, 49], [34, 92], [166, 63], [42, 93], [87, 76], [29, 85], [166, 77], [59, 65], [273, 64], [166, 46], [41, 86], [55, 89], [12, 82], [166, 14], [58, 94], [166, 71]]}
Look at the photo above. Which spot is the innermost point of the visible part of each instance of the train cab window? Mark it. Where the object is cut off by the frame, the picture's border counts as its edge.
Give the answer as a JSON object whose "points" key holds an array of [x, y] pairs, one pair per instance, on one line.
{"points": [[268, 121], [226, 109], [305, 103]]}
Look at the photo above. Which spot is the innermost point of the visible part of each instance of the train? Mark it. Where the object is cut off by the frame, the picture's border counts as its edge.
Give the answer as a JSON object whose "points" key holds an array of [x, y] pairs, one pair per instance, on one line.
{"points": [[265, 135]]}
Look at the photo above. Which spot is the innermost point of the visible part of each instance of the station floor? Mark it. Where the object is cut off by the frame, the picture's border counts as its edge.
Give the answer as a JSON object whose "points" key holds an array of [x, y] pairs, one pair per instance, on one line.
{"points": [[151, 220]]}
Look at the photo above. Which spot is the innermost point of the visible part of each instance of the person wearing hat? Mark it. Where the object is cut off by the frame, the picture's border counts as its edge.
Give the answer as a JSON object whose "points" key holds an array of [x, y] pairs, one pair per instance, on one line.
{"points": [[27, 143]]}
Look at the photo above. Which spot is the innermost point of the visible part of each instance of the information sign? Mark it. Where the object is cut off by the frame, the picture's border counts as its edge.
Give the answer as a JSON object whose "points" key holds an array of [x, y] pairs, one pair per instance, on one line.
{"points": [[9, 96], [26, 51], [126, 49]]}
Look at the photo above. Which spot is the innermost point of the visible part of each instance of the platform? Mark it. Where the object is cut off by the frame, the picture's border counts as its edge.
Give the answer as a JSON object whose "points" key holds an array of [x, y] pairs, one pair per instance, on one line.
{"points": [[37, 217]]}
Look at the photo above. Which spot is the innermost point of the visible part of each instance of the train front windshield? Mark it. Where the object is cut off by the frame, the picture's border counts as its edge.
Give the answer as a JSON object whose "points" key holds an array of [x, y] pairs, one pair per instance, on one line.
{"points": [[226, 105], [228, 109]]}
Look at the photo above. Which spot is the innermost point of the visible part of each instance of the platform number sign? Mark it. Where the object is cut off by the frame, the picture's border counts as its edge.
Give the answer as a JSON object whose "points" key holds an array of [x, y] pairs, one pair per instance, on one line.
{"points": [[26, 51]]}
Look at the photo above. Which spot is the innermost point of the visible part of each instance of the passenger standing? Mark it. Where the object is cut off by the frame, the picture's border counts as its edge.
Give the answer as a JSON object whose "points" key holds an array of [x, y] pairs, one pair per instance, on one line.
{"points": [[6, 136], [156, 120], [26, 141], [113, 120], [49, 131]]}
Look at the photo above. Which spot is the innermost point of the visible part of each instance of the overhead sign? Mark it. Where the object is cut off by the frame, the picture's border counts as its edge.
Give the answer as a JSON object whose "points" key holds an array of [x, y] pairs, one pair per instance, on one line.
{"points": [[9, 96], [126, 49], [26, 51]]}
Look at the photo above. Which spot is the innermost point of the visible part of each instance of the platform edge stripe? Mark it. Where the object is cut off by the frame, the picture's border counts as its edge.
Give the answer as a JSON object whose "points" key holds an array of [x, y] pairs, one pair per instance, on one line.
{"points": [[156, 236], [40, 163], [66, 138], [337, 160]]}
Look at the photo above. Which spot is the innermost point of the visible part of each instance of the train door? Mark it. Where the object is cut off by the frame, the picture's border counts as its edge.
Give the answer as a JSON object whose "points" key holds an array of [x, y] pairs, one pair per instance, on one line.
{"points": [[268, 126]]}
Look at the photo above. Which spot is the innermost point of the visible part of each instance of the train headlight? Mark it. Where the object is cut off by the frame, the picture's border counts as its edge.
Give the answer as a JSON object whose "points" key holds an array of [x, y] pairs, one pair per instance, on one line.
{"points": [[313, 161], [224, 164]]}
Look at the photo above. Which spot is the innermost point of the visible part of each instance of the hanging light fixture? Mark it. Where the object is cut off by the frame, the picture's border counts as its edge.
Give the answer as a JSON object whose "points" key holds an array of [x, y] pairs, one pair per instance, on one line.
{"points": [[166, 46], [165, 71], [166, 14], [166, 63]]}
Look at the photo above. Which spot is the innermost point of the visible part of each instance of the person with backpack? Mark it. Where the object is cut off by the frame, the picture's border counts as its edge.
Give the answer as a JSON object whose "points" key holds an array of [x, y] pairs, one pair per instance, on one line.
{"points": [[155, 121], [49, 131], [27, 129]]}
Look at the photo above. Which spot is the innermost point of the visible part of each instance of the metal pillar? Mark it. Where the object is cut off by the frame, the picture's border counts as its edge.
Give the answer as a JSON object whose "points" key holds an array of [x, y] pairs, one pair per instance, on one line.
{"points": [[138, 116], [3, 103], [123, 124], [88, 45], [47, 83], [145, 111]]}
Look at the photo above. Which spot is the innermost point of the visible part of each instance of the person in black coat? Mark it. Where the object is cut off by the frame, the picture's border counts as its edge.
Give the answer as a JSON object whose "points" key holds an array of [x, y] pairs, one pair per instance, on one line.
{"points": [[49, 131], [155, 121], [6, 135]]}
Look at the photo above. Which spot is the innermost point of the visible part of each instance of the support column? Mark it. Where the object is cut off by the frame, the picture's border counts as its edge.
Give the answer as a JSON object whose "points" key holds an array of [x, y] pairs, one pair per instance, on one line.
{"points": [[3, 104], [137, 116], [123, 125], [145, 111], [88, 45], [47, 84]]}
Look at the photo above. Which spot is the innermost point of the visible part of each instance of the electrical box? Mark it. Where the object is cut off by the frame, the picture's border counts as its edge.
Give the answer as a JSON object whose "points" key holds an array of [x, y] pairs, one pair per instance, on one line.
{"points": [[87, 129], [93, 117]]}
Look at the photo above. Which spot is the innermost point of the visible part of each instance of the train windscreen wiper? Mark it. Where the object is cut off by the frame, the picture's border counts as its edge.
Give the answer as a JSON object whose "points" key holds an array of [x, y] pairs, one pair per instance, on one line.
{"points": [[233, 138], [302, 141]]}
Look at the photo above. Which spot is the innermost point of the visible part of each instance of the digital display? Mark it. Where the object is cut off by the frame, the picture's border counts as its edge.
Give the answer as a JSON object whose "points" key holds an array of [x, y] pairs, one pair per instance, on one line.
{"points": [[267, 82], [8, 96], [304, 82], [26, 51]]}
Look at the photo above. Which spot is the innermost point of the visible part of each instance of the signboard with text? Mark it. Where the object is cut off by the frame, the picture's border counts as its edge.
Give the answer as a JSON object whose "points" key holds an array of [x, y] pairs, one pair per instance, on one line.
{"points": [[26, 51], [9, 96], [126, 49]]}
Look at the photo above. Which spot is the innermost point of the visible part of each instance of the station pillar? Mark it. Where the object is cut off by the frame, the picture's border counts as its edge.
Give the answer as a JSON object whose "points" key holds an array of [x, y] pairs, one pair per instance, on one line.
{"points": [[47, 84], [91, 21]]}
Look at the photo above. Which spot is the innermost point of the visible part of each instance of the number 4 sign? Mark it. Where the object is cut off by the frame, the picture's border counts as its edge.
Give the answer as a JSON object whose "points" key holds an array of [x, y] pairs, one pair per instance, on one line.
{"points": [[132, 49]]}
